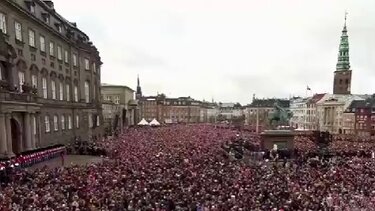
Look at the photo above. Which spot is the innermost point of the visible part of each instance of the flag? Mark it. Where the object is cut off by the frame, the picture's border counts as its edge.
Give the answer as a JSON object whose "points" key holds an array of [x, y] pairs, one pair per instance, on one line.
{"points": [[308, 88]]}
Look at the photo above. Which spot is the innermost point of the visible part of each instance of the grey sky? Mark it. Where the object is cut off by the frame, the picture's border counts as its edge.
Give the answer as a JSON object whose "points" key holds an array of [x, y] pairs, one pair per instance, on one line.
{"points": [[227, 49]]}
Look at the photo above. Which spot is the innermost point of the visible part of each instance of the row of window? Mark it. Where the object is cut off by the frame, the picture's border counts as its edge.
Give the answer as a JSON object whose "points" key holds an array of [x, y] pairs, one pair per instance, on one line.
{"points": [[64, 124], [116, 99], [53, 88], [42, 43], [47, 125]]}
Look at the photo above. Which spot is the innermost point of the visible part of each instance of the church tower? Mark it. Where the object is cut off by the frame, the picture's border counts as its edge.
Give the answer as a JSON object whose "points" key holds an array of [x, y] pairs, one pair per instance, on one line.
{"points": [[138, 93], [343, 74]]}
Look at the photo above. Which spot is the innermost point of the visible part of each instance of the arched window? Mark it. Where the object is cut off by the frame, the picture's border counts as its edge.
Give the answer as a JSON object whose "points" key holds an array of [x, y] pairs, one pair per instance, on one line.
{"points": [[87, 92], [61, 91], [346, 81], [45, 90], [46, 123], [75, 93], [67, 92], [21, 79], [53, 89], [34, 81], [55, 123], [77, 121], [69, 122], [62, 122]]}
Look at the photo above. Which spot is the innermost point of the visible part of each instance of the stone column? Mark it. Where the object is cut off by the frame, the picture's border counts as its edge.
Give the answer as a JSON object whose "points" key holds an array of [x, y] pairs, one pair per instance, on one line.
{"points": [[9, 135], [3, 137], [27, 136], [33, 125]]}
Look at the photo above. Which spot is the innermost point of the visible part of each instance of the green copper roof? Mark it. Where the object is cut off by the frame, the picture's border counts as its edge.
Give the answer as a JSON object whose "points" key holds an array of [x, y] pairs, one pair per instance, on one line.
{"points": [[343, 63]]}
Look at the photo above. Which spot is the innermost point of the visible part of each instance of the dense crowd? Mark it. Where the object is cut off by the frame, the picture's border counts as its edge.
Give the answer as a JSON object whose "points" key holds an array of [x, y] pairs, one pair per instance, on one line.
{"points": [[186, 168]]}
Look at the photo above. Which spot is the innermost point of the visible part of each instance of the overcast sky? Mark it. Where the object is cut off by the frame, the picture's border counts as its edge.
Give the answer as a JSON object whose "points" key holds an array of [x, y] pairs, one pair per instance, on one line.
{"points": [[227, 49]]}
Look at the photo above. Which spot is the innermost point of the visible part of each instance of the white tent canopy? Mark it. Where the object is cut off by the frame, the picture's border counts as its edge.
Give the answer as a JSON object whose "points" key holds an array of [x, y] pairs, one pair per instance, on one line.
{"points": [[154, 122], [143, 122]]}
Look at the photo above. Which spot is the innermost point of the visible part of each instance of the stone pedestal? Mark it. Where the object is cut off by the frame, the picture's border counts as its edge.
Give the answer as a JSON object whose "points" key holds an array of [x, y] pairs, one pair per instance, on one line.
{"points": [[284, 139]]}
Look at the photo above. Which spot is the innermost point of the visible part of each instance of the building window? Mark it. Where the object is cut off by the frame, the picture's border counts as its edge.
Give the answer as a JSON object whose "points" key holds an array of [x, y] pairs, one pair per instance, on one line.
{"points": [[46, 124], [97, 121], [77, 121], [51, 49], [67, 92], [31, 38], [55, 123], [45, 90], [90, 121], [75, 93], [21, 79], [3, 23], [66, 56], [42, 40], [18, 28], [87, 64], [61, 91], [87, 92], [53, 89], [75, 60], [34, 81], [117, 99], [45, 17], [59, 53], [94, 67], [69, 122], [62, 122], [34, 125], [59, 28]]}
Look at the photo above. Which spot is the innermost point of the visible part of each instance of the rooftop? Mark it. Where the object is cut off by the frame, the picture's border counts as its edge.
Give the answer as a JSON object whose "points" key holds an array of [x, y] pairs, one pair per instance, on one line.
{"points": [[116, 86]]}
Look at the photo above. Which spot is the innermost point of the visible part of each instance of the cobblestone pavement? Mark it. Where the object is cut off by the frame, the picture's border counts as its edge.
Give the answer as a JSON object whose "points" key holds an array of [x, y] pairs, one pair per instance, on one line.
{"points": [[69, 161]]}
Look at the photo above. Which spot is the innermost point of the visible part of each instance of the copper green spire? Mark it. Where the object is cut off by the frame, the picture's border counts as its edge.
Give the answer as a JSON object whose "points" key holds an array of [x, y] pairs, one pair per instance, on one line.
{"points": [[343, 63]]}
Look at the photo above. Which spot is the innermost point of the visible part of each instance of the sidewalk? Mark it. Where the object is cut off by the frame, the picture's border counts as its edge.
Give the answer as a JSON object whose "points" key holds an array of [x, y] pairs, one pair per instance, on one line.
{"points": [[69, 161]]}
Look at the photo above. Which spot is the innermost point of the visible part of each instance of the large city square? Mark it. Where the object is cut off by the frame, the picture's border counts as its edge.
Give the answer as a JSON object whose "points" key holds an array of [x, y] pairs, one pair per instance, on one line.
{"points": [[198, 106]]}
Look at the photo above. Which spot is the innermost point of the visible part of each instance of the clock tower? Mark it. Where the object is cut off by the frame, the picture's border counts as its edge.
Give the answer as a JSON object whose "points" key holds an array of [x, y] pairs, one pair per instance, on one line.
{"points": [[343, 74]]}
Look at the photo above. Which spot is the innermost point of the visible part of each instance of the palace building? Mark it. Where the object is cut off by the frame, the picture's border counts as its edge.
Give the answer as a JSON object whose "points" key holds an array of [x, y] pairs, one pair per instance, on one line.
{"points": [[49, 79]]}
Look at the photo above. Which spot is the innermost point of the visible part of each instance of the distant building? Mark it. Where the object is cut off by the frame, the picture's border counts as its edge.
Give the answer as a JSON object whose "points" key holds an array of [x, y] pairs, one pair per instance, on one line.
{"points": [[119, 106], [304, 112], [209, 112], [298, 106], [170, 110], [229, 111], [330, 110], [363, 113]]}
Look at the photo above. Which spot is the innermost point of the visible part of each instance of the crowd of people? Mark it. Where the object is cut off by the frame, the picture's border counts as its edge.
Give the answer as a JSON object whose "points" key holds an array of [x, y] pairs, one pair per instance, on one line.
{"points": [[186, 168]]}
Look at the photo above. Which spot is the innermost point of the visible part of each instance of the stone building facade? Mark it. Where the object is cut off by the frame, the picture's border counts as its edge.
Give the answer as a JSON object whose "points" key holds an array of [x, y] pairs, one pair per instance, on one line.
{"points": [[170, 110], [119, 106], [49, 79], [362, 113]]}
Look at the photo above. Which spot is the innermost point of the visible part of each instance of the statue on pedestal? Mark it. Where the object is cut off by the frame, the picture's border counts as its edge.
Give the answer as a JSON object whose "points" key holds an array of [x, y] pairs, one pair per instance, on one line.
{"points": [[280, 117]]}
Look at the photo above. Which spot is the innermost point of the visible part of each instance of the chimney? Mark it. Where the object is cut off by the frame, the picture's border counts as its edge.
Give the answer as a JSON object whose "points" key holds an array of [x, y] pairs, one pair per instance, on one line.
{"points": [[49, 3]]}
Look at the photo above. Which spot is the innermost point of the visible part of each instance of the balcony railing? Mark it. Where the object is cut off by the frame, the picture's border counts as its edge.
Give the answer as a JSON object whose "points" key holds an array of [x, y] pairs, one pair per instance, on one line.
{"points": [[19, 97]]}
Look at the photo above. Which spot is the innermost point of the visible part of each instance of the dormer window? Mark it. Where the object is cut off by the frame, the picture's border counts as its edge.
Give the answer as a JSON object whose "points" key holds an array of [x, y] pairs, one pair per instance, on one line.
{"points": [[31, 5], [45, 17], [59, 27]]}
